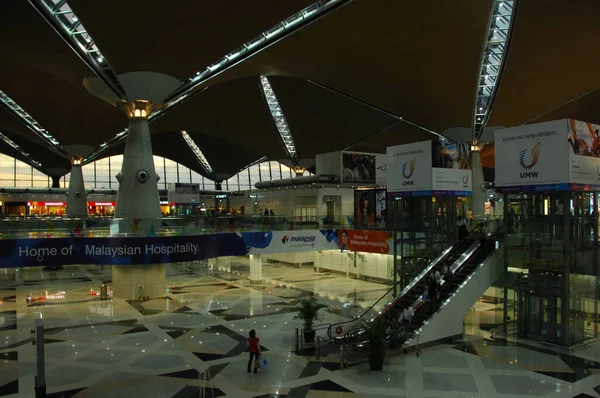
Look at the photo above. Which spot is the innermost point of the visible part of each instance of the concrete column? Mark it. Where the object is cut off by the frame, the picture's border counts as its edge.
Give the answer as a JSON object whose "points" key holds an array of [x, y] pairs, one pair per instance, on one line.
{"points": [[138, 203], [132, 281], [255, 268], [138, 206], [56, 181], [76, 198], [317, 260], [479, 197]]}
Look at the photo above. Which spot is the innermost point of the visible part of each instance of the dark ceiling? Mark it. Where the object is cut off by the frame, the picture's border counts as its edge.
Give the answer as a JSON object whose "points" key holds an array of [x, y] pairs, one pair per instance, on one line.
{"points": [[335, 78]]}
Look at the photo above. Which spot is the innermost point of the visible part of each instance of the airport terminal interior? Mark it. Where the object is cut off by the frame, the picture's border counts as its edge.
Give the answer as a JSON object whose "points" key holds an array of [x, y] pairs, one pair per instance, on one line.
{"points": [[300, 198]]}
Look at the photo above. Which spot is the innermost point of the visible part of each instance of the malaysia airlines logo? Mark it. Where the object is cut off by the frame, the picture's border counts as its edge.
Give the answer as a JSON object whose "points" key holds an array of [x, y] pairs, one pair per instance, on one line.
{"points": [[465, 180], [284, 239], [408, 168], [534, 153]]}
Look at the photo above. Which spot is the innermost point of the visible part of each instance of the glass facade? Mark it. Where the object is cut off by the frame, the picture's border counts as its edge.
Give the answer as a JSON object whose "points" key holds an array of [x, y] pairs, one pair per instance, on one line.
{"points": [[550, 283], [17, 174], [101, 175]]}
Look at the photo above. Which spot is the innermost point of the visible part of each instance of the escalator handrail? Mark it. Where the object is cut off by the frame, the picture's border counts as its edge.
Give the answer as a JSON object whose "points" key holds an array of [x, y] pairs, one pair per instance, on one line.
{"points": [[410, 285], [456, 267], [442, 305], [440, 257]]}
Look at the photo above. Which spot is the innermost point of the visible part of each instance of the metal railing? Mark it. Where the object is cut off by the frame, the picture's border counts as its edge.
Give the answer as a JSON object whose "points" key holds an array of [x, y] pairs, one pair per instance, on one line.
{"points": [[58, 227]]}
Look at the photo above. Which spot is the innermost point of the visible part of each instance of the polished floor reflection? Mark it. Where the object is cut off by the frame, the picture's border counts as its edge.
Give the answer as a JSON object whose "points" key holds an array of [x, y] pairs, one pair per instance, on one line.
{"points": [[191, 342]]}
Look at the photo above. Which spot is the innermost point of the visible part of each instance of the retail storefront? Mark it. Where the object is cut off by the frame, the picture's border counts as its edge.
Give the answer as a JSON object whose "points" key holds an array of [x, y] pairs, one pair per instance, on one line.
{"points": [[47, 208], [101, 208]]}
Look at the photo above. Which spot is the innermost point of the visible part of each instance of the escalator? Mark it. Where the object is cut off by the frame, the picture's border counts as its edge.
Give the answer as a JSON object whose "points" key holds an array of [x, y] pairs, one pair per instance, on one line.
{"points": [[388, 304], [438, 319], [471, 261]]}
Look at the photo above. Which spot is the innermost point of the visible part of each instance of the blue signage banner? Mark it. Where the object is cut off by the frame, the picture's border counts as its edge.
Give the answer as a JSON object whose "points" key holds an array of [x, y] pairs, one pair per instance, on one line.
{"points": [[158, 249]]}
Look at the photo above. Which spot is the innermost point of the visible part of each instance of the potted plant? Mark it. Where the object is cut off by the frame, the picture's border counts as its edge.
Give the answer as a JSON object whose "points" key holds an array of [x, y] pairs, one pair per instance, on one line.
{"points": [[307, 312], [375, 333]]}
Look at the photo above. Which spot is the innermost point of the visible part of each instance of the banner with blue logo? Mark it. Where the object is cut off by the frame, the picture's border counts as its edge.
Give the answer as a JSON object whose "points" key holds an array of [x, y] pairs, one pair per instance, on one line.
{"points": [[430, 168], [159, 249]]}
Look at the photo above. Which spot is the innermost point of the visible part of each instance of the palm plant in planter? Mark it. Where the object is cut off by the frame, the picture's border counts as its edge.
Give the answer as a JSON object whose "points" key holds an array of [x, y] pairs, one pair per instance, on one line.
{"points": [[375, 333], [308, 312]]}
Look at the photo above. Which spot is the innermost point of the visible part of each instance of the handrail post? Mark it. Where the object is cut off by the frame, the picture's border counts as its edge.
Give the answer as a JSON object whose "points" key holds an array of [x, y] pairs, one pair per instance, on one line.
{"points": [[40, 378], [301, 339], [297, 340], [318, 351], [342, 357]]}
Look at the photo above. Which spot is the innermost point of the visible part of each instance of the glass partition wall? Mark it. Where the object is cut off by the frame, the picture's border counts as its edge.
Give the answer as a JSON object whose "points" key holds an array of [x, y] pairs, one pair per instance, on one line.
{"points": [[550, 285], [423, 228]]}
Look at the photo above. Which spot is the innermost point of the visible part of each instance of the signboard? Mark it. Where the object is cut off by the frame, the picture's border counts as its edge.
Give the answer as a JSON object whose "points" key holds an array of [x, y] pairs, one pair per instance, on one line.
{"points": [[381, 169], [430, 168], [451, 168], [365, 241], [584, 155], [370, 208], [409, 168], [358, 168], [167, 249], [536, 157]]}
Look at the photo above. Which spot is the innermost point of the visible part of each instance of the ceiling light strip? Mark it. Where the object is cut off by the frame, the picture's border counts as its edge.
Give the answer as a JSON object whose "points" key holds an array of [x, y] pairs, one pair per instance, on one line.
{"points": [[61, 17], [492, 61], [21, 151], [265, 39], [251, 47], [279, 118], [199, 155], [16, 110]]}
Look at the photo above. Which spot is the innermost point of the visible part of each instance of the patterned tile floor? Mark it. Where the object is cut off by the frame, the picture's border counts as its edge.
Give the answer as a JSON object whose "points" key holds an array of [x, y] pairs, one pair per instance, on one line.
{"points": [[191, 343]]}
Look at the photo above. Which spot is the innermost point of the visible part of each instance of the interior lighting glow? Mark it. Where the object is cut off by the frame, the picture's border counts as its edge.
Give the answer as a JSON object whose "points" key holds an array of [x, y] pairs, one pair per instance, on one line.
{"points": [[7, 102], [279, 118], [250, 47], [263, 39], [199, 155], [61, 17], [492, 61]]}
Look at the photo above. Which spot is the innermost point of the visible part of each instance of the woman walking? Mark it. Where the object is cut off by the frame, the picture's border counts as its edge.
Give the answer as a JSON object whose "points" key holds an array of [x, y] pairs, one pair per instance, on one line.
{"points": [[254, 349]]}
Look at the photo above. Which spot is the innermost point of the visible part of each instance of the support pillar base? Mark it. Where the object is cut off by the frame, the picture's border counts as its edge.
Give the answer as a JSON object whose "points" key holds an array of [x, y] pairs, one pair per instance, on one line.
{"points": [[136, 282]]}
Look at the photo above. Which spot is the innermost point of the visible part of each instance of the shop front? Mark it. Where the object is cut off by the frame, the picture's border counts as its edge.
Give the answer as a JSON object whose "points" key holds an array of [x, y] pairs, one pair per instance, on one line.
{"points": [[101, 208], [46, 208], [166, 208]]}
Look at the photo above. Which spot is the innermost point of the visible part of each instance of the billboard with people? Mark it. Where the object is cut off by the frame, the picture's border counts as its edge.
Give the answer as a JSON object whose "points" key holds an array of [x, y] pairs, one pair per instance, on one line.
{"points": [[359, 168], [370, 208]]}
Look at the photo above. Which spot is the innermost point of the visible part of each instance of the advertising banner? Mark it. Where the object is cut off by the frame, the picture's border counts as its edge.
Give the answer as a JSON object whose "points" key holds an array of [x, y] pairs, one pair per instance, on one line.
{"points": [[365, 241], [584, 155], [381, 170], [532, 157], [370, 208], [171, 249], [358, 167], [451, 168], [290, 241], [409, 168], [117, 251]]}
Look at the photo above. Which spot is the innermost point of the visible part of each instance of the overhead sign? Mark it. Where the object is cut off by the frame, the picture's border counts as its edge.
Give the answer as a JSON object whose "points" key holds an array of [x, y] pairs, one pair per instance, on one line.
{"points": [[409, 168], [365, 241], [429, 168], [550, 156], [169, 249]]}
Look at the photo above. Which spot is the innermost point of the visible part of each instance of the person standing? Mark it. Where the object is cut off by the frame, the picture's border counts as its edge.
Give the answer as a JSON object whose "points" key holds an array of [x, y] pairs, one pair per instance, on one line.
{"points": [[254, 350]]}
